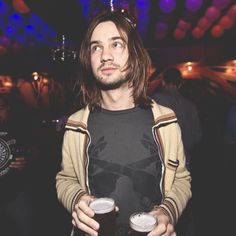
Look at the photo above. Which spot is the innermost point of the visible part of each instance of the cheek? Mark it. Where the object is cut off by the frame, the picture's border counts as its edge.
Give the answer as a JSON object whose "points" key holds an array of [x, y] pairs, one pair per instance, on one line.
{"points": [[123, 58], [123, 62]]}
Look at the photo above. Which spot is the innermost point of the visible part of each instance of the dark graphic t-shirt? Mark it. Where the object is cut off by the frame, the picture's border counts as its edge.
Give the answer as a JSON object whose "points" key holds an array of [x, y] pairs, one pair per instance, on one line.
{"points": [[12, 144], [124, 161]]}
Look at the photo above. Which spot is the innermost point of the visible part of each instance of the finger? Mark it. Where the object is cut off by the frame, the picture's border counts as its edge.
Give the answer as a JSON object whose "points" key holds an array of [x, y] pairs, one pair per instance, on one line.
{"points": [[117, 209], [18, 163], [85, 216], [73, 223], [169, 231], [16, 166], [20, 158], [85, 223], [160, 229], [84, 207]]}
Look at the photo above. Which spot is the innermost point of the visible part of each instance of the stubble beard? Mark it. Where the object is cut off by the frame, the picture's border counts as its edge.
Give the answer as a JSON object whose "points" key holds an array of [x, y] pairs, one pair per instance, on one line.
{"points": [[123, 79]]}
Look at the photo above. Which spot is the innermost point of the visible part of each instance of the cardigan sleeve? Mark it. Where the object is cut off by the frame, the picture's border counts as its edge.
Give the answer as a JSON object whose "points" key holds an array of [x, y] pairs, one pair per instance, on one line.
{"points": [[68, 186], [176, 180]]}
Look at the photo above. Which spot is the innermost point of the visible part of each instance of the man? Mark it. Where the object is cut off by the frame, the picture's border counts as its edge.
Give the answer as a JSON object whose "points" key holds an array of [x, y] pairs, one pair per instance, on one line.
{"points": [[121, 144], [169, 95]]}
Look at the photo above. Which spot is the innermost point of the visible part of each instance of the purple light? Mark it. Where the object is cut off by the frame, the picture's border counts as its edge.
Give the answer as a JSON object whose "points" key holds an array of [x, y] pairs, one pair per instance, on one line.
{"points": [[4, 40], [193, 5], [3, 8], [167, 6], [212, 13], [221, 3], [2, 25], [183, 25], [143, 8], [161, 26]]}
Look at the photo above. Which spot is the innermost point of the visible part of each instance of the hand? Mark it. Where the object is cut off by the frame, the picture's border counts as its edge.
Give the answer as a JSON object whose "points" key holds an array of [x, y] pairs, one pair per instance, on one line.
{"points": [[18, 163], [83, 216], [164, 227]]}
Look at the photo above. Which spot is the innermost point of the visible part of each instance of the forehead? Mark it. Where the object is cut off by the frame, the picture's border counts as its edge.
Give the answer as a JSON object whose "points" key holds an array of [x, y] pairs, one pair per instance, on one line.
{"points": [[106, 30]]}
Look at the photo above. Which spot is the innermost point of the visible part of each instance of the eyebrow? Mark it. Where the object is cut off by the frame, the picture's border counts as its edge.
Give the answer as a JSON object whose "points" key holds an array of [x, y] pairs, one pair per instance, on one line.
{"points": [[111, 39]]}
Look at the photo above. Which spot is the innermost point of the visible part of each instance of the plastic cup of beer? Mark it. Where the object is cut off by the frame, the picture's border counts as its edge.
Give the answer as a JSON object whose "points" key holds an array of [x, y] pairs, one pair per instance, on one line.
{"points": [[141, 223], [105, 215]]}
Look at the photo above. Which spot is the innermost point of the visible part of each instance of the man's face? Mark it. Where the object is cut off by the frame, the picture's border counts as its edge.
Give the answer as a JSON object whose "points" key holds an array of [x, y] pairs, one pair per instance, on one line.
{"points": [[4, 112], [109, 55]]}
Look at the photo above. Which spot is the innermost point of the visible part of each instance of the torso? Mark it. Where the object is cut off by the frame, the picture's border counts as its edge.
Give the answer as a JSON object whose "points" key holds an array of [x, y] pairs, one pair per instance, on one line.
{"points": [[124, 161]]}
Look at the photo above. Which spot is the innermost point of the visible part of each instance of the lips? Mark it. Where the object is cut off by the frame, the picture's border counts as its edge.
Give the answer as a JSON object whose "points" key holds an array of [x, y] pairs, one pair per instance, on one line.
{"points": [[108, 70]]}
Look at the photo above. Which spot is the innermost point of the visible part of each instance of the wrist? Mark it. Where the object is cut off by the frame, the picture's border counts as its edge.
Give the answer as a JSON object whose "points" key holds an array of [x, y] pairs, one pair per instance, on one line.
{"points": [[161, 212]]}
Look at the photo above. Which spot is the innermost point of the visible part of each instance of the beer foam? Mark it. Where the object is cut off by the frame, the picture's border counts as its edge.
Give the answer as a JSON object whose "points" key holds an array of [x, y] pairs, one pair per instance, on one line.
{"points": [[102, 205], [142, 222]]}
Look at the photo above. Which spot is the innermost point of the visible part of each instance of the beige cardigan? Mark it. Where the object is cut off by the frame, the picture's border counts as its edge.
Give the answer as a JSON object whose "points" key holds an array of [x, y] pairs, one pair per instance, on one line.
{"points": [[72, 179]]}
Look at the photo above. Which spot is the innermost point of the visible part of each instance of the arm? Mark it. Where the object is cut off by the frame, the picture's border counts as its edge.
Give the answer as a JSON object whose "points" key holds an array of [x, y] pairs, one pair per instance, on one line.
{"points": [[176, 183], [69, 184]]}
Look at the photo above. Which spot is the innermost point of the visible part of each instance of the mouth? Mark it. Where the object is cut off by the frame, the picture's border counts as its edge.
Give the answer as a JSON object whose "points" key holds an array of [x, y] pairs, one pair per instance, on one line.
{"points": [[108, 70]]}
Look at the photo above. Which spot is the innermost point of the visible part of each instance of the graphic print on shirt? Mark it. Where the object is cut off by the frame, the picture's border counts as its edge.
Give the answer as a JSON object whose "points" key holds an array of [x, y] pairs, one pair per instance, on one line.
{"points": [[140, 175]]}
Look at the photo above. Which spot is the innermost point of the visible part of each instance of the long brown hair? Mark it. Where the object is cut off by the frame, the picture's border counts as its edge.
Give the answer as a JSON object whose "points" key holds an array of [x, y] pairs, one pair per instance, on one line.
{"points": [[138, 62]]}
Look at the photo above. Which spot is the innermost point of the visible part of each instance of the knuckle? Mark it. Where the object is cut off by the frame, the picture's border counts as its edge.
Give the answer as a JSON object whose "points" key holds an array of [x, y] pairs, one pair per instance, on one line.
{"points": [[79, 214], [74, 214]]}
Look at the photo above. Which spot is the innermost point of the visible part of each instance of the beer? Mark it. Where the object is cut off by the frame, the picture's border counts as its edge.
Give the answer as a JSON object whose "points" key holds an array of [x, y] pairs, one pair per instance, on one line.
{"points": [[104, 209], [141, 224]]}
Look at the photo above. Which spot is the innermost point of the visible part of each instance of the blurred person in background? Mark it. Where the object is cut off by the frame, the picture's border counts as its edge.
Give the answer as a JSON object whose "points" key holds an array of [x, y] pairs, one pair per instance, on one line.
{"points": [[17, 153], [169, 95]]}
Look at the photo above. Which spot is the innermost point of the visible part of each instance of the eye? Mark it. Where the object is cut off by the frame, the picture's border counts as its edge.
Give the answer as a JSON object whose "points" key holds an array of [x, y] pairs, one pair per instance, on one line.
{"points": [[118, 44], [96, 48]]}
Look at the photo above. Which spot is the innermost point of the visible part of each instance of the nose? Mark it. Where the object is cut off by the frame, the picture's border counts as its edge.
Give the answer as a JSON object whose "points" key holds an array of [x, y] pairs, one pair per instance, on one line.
{"points": [[106, 55]]}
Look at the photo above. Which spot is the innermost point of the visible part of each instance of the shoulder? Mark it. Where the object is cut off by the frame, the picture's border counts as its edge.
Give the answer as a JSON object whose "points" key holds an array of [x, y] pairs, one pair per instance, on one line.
{"points": [[79, 114], [161, 110], [78, 118]]}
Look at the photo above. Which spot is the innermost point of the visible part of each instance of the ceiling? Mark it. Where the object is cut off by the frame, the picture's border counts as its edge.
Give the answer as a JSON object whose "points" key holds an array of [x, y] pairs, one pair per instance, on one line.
{"points": [[161, 23]]}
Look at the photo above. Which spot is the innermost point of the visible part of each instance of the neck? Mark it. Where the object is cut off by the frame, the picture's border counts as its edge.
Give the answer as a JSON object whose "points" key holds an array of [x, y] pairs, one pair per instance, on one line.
{"points": [[118, 99]]}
